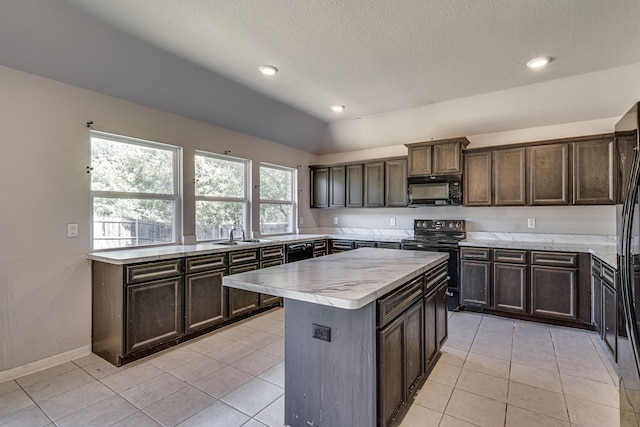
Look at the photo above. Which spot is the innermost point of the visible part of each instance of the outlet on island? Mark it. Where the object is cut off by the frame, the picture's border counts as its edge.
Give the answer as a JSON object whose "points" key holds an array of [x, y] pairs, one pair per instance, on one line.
{"points": [[322, 332]]}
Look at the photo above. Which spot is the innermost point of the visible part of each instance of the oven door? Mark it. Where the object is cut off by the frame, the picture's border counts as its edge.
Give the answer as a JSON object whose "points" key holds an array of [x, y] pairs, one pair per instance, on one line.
{"points": [[453, 267]]}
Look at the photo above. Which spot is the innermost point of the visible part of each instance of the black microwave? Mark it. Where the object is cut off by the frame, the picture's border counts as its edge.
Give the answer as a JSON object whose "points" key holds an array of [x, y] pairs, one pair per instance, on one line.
{"points": [[438, 190]]}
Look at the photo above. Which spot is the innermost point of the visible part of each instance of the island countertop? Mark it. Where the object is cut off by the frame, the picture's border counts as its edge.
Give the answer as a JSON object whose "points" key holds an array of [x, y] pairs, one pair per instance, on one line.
{"points": [[347, 280]]}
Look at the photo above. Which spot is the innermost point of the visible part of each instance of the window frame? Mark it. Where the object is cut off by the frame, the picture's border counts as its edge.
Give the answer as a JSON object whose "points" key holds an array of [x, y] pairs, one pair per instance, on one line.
{"points": [[293, 221], [246, 200], [175, 197]]}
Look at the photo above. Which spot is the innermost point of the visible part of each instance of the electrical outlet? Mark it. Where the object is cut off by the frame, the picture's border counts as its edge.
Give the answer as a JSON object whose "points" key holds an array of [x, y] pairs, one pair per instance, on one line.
{"points": [[531, 222], [301, 220], [335, 220], [321, 332], [72, 230], [392, 222]]}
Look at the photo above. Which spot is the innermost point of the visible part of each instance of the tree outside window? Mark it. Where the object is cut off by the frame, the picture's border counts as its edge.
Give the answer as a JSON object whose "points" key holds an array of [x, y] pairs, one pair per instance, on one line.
{"points": [[221, 195], [133, 191], [277, 199]]}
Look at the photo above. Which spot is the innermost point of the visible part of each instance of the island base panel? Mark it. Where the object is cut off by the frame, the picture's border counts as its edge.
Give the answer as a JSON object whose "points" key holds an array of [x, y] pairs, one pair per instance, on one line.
{"points": [[330, 383]]}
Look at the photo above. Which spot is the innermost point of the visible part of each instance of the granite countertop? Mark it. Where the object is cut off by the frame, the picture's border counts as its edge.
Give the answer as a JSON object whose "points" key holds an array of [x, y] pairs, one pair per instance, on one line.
{"points": [[347, 280], [606, 252]]}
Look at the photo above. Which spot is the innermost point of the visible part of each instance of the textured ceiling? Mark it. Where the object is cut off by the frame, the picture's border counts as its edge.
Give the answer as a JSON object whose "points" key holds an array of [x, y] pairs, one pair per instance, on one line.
{"points": [[379, 58]]}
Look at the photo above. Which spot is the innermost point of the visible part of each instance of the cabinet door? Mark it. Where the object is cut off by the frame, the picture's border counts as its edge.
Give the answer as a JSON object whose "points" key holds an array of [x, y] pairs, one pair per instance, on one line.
{"points": [[154, 313], [596, 291], [355, 179], [414, 345], [477, 179], [446, 158], [337, 188], [396, 182], [391, 366], [475, 278], [510, 287], [430, 328], [509, 177], [441, 315], [239, 300], [593, 169], [610, 319], [204, 300], [374, 184], [553, 292], [624, 157], [549, 174], [319, 187], [420, 162]]}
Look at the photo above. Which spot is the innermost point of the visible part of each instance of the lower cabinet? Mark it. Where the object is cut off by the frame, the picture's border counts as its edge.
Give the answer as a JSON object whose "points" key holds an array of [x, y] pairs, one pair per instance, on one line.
{"points": [[241, 301], [533, 284], [154, 313], [413, 328], [605, 304], [204, 300]]}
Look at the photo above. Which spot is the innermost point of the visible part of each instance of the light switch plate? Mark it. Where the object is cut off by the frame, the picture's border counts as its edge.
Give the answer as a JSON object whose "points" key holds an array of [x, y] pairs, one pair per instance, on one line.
{"points": [[392, 222], [335, 220]]}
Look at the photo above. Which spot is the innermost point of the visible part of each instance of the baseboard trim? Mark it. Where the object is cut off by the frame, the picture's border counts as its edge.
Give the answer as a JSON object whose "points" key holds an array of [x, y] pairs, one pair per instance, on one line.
{"points": [[41, 364]]}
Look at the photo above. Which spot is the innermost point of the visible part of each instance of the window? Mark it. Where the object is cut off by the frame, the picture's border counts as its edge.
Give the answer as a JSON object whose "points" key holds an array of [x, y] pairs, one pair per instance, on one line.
{"points": [[221, 195], [277, 199], [134, 192]]}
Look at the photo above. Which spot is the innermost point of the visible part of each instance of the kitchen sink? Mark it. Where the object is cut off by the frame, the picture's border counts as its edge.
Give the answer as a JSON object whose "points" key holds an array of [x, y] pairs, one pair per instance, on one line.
{"points": [[241, 242]]}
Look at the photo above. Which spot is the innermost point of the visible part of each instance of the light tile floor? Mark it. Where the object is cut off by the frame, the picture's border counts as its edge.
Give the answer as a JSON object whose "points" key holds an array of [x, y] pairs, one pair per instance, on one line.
{"points": [[493, 372]]}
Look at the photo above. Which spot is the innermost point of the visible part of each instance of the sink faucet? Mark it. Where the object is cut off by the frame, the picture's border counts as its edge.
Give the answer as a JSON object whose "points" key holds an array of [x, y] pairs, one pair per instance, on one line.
{"points": [[231, 239]]}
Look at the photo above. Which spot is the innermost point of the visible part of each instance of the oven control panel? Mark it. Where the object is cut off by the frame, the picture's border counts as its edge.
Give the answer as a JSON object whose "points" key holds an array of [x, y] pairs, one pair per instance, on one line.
{"points": [[441, 225]]}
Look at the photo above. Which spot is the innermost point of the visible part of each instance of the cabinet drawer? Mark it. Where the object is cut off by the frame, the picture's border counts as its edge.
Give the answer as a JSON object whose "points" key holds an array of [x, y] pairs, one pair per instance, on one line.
{"points": [[436, 276], [341, 245], [609, 275], [482, 254], [365, 244], [389, 245], [272, 252], [513, 256], [243, 268], [153, 271], [596, 266], [241, 257], [271, 263], [203, 263], [399, 300], [319, 245], [556, 259]]}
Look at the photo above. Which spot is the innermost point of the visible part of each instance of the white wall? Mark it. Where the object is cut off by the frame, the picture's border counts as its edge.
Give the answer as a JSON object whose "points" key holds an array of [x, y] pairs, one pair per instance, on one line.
{"points": [[45, 287]]}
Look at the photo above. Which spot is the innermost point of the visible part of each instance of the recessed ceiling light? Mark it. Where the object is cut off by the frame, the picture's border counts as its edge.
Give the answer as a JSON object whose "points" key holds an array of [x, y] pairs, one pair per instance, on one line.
{"points": [[337, 108], [539, 62], [268, 70]]}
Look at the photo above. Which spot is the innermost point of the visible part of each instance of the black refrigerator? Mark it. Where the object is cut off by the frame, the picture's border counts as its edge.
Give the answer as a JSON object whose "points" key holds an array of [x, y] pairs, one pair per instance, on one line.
{"points": [[628, 248]]}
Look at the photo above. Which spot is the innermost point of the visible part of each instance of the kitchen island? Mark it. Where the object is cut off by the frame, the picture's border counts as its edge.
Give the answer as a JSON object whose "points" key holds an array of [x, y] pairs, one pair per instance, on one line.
{"points": [[362, 330]]}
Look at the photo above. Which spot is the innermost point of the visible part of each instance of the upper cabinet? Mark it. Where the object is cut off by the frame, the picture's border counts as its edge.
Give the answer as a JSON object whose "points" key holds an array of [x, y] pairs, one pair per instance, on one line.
{"points": [[319, 187], [378, 183], [509, 177], [577, 171], [477, 178], [441, 157], [593, 172], [548, 174]]}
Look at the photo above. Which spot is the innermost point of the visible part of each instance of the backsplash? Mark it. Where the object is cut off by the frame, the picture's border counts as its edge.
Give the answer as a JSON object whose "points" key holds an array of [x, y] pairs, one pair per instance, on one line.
{"points": [[542, 238], [364, 232]]}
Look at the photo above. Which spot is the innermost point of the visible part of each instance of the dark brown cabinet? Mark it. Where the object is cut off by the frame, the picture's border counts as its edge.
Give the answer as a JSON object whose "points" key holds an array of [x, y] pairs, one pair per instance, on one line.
{"points": [[204, 296], [319, 197], [396, 183], [605, 304], [509, 175], [241, 301], [475, 277], [270, 257], [391, 354], [355, 186], [337, 189], [554, 285], [374, 184], [510, 280], [548, 174], [154, 313], [443, 157], [593, 172], [477, 179]]}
